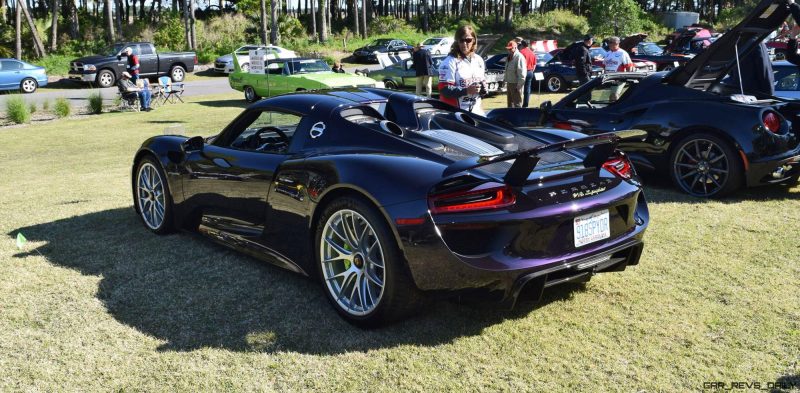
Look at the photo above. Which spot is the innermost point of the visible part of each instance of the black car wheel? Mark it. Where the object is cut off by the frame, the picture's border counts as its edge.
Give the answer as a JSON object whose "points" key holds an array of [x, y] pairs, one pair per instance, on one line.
{"points": [[250, 94], [28, 86], [360, 265], [177, 73], [704, 165], [389, 84], [105, 78], [668, 67], [153, 199], [556, 84]]}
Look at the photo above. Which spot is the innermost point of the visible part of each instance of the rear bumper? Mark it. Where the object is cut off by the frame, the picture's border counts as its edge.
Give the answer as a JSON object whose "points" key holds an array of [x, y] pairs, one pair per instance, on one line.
{"points": [[774, 169]]}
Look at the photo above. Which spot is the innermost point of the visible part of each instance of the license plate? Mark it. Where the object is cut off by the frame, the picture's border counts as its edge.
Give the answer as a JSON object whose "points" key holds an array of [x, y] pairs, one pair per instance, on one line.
{"points": [[590, 228]]}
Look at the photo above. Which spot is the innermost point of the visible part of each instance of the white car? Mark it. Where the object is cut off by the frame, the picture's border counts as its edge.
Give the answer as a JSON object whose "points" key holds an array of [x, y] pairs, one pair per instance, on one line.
{"points": [[224, 64], [438, 45]]}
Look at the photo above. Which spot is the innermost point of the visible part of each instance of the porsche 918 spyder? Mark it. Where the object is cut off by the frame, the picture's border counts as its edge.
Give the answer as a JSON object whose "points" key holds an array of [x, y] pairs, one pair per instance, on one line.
{"points": [[384, 196]]}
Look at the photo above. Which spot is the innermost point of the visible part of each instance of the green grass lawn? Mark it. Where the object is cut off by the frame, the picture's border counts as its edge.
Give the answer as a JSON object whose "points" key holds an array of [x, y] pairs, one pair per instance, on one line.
{"points": [[94, 302]]}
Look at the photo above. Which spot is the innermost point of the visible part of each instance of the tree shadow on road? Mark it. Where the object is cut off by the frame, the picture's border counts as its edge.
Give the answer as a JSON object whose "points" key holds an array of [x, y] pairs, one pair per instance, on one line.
{"points": [[192, 294]]}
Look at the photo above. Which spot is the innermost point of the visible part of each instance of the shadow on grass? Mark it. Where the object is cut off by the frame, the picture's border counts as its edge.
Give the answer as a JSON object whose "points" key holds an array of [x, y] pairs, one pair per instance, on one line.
{"points": [[659, 189], [190, 293], [210, 72], [228, 103], [787, 383]]}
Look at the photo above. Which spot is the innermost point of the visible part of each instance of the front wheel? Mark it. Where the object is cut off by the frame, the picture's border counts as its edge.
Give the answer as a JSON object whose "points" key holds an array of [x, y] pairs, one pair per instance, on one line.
{"points": [[177, 73], [668, 67], [153, 200], [360, 265], [28, 86], [245, 67], [250, 94], [105, 78], [703, 165], [556, 84], [389, 84]]}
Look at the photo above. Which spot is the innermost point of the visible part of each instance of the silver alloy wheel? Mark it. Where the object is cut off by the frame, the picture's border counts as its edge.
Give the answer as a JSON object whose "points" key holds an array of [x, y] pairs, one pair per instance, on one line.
{"points": [[554, 84], [177, 74], [701, 167], [352, 262], [150, 196], [246, 67], [106, 79], [28, 85], [249, 94]]}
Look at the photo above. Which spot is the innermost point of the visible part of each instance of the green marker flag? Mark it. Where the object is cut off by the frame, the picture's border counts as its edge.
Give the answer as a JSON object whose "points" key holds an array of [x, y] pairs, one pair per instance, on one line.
{"points": [[21, 240]]}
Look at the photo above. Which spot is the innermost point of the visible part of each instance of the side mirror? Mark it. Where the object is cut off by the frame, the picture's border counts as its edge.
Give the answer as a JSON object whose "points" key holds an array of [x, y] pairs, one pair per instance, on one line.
{"points": [[192, 145], [546, 106]]}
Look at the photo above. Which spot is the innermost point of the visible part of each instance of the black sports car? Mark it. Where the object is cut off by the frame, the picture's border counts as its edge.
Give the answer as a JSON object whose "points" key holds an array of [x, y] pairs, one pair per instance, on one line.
{"points": [[369, 53], [558, 76], [383, 195], [708, 138]]}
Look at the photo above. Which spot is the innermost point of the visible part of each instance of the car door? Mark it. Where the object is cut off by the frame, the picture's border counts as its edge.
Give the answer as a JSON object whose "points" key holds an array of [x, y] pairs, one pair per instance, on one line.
{"points": [[600, 108], [409, 74], [11, 74], [230, 179], [148, 59]]}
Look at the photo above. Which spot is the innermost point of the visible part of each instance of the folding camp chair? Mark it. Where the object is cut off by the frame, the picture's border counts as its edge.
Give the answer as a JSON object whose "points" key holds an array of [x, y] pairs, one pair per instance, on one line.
{"points": [[170, 91], [129, 100]]}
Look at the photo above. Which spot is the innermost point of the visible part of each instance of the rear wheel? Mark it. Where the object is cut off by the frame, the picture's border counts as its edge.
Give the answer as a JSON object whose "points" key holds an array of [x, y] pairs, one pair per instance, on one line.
{"points": [[177, 73], [703, 165], [390, 84], [28, 85], [153, 199], [360, 265], [556, 84], [250, 94]]}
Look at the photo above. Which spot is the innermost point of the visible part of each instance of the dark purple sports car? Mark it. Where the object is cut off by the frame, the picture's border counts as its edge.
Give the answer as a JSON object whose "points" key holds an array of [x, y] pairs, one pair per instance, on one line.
{"points": [[383, 196]]}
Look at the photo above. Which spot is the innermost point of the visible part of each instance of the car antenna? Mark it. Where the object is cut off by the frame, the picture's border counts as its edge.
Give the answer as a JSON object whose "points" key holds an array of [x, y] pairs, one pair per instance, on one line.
{"points": [[738, 68]]}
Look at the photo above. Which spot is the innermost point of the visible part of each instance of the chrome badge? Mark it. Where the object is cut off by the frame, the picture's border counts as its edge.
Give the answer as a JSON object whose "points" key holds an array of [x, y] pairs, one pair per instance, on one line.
{"points": [[317, 130]]}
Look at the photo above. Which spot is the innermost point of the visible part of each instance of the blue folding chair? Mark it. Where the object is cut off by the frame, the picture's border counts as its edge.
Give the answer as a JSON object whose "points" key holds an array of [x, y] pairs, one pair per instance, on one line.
{"points": [[169, 91]]}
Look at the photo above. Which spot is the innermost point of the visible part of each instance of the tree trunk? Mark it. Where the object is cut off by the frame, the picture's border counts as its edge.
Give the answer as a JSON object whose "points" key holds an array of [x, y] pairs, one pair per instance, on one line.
{"points": [[313, 19], [37, 42], [74, 26], [3, 10], [425, 13], [323, 27], [263, 27], [354, 15], [192, 23], [364, 18], [509, 12], [187, 31], [18, 49], [274, 38], [54, 28], [118, 15]]}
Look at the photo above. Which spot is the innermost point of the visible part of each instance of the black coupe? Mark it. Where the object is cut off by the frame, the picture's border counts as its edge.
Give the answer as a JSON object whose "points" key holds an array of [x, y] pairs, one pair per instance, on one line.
{"points": [[383, 195], [709, 139]]}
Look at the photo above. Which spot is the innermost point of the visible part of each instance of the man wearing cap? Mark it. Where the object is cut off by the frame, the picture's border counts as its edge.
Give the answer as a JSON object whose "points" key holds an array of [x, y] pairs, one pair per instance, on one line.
{"points": [[514, 76], [530, 67], [126, 85], [423, 67], [583, 60], [133, 63]]}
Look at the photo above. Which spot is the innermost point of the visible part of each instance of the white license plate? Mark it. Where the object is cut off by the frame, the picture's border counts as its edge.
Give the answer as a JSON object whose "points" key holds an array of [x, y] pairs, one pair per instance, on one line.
{"points": [[591, 228]]}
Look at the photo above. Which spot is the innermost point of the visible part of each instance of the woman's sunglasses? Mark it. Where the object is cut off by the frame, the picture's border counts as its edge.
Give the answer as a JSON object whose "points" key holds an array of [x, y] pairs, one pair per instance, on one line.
{"points": [[465, 40]]}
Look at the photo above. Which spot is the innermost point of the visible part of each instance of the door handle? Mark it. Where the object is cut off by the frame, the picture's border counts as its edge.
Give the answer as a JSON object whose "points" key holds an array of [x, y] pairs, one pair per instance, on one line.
{"points": [[221, 162]]}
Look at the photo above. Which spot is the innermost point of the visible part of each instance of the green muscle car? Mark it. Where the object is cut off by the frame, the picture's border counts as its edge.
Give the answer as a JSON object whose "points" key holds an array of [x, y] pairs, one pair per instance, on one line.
{"points": [[401, 75], [289, 75]]}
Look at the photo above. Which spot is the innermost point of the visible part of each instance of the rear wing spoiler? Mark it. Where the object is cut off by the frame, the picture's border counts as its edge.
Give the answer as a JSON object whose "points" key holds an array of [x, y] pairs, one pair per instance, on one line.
{"points": [[603, 145]]}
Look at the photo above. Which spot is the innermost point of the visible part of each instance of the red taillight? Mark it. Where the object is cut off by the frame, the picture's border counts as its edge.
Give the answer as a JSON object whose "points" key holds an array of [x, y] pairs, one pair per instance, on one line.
{"points": [[562, 125], [195, 59], [483, 197], [772, 122], [620, 166]]}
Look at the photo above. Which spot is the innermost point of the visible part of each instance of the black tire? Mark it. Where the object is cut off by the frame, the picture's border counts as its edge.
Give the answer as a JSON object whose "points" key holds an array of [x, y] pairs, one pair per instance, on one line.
{"points": [[148, 188], [555, 83], [668, 67], [105, 78], [28, 86], [399, 296], [389, 84], [250, 94], [177, 73], [706, 166]]}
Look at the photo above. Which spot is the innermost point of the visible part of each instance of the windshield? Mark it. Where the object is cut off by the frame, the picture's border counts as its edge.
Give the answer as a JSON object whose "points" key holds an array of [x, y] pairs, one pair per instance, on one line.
{"points": [[308, 66], [432, 41], [650, 48], [113, 50], [381, 42]]}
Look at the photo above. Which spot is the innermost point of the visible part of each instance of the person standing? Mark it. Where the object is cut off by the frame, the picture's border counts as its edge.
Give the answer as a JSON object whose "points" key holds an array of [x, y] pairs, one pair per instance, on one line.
{"points": [[530, 67], [423, 67], [133, 63], [582, 59], [462, 74], [617, 60], [514, 76]]}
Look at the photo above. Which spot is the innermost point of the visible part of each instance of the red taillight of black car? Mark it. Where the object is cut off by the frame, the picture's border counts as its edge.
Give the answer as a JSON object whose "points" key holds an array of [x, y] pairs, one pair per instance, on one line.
{"points": [[620, 166], [772, 121], [484, 197]]}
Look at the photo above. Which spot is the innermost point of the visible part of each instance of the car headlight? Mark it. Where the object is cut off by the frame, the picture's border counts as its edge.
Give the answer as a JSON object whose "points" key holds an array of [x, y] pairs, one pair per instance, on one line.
{"points": [[90, 67]]}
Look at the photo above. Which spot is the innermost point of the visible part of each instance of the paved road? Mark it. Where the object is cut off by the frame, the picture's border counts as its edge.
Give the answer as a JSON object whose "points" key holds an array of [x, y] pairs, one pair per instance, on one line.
{"points": [[78, 94]]}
